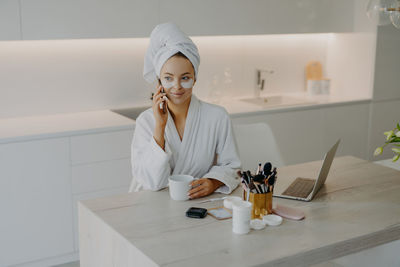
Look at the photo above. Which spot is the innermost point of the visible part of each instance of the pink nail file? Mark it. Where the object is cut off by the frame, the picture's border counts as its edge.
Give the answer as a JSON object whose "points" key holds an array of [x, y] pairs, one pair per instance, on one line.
{"points": [[288, 213]]}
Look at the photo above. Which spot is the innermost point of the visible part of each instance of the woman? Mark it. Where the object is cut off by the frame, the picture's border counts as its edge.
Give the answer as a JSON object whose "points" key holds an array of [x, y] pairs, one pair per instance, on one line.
{"points": [[189, 136]]}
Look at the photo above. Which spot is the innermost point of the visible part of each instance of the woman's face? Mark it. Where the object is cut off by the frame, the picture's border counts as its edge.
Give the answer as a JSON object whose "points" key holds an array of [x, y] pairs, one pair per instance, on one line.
{"points": [[177, 78]]}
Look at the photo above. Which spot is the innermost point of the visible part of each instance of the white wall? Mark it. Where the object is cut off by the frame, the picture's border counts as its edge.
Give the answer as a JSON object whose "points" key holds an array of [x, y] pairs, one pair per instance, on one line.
{"points": [[40, 77], [351, 60], [240, 56], [55, 76], [10, 20]]}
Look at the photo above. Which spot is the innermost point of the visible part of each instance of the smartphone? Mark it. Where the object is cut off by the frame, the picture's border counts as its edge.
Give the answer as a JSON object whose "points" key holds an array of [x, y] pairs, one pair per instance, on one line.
{"points": [[162, 104]]}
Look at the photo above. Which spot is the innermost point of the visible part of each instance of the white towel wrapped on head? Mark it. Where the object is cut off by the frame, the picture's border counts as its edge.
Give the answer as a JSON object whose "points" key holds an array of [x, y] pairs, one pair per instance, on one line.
{"points": [[165, 41]]}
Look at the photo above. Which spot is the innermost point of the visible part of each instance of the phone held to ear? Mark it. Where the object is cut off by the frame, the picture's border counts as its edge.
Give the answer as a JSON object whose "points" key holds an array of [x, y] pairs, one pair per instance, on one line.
{"points": [[163, 103]]}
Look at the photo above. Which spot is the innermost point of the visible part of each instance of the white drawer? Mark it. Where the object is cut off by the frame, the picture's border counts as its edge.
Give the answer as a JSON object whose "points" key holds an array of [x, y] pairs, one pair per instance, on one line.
{"points": [[101, 147], [101, 176]]}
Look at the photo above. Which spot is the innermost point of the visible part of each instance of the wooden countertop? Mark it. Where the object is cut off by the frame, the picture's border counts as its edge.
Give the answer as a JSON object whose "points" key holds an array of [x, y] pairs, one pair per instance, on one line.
{"points": [[358, 208]]}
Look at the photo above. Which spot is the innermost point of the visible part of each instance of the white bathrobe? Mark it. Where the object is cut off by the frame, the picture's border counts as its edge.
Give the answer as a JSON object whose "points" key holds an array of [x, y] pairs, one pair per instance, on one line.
{"points": [[207, 149]]}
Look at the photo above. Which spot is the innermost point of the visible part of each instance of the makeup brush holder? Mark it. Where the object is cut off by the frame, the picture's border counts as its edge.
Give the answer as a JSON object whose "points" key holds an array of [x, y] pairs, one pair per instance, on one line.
{"points": [[262, 204]]}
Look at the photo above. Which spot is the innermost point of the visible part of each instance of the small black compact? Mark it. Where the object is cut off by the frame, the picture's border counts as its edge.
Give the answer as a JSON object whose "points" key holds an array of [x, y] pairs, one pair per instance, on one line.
{"points": [[194, 212]]}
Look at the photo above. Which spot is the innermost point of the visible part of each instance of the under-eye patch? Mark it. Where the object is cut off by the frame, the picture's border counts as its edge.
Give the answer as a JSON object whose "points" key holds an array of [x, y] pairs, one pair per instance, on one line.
{"points": [[185, 84]]}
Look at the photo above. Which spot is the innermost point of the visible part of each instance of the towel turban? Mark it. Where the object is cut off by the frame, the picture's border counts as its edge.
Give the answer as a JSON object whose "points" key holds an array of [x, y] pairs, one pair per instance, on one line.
{"points": [[165, 41]]}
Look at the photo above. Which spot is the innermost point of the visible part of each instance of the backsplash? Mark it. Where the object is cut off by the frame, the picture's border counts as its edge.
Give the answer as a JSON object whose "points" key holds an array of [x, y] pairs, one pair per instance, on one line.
{"points": [[57, 76]]}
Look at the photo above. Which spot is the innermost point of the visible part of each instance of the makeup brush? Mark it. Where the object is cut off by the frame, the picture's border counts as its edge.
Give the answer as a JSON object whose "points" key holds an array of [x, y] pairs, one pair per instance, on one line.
{"points": [[252, 187], [258, 169], [271, 182], [249, 175], [267, 169], [245, 177], [259, 178]]}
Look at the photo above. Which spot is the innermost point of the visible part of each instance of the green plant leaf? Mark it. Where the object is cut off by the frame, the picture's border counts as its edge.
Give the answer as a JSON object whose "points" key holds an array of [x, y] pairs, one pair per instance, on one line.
{"points": [[398, 126], [395, 149], [378, 151], [395, 158], [395, 140], [389, 135]]}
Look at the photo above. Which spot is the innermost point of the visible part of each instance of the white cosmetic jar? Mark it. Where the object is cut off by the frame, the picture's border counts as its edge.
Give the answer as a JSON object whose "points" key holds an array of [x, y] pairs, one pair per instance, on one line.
{"points": [[228, 202], [241, 215]]}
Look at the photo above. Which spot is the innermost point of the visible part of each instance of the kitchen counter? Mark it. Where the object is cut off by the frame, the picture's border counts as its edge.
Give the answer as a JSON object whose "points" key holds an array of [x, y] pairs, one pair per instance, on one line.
{"points": [[237, 107], [59, 125], [354, 211], [67, 124]]}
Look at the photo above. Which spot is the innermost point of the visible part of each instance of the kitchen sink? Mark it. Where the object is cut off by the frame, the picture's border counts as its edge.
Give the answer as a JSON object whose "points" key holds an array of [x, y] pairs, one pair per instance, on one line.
{"points": [[131, 113], [277, 100]]}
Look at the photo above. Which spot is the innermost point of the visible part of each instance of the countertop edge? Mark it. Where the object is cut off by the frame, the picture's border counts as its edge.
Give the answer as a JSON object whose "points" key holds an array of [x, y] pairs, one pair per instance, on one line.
{"points": [[340, 249], [300, 107], [69, 133]]}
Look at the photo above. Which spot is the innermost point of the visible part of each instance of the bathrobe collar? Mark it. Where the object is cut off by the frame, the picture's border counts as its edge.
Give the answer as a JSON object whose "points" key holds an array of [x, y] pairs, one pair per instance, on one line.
{"points": [[189, 135]]}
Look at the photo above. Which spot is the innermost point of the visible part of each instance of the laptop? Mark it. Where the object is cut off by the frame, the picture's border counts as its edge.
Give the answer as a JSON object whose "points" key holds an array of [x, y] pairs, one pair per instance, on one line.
{"points": [[305, 189]]}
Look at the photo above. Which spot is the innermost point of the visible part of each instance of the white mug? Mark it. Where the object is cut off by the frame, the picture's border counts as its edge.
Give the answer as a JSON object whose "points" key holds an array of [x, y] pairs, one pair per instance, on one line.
{"points": [[179, 185]]}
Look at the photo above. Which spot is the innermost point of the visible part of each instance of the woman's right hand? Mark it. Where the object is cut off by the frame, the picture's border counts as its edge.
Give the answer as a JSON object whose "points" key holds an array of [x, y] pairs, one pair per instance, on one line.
{"points": [[159, 115]]}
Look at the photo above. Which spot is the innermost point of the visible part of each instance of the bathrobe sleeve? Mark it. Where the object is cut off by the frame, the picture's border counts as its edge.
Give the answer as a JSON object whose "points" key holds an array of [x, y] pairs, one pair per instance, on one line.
{"points": [[150, 163], [227, 162]]}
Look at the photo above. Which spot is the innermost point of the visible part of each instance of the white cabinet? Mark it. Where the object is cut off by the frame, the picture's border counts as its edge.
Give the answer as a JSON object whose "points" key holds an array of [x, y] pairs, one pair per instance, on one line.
{"points": [[243, 17], [9, 20], [100, 147], [350, 124], [100, 166], [306, 135], [35, 201], [387, 64], [65, 19], [41, 182], [101, 176]]}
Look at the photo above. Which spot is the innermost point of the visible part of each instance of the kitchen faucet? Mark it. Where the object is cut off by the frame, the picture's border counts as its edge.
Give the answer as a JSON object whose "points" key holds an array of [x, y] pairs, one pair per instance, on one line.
{"points": [[260, 81]]}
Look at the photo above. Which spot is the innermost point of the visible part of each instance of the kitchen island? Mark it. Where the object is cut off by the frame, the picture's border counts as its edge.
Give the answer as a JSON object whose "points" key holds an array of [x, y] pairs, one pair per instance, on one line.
{"points": [[357, 209]]}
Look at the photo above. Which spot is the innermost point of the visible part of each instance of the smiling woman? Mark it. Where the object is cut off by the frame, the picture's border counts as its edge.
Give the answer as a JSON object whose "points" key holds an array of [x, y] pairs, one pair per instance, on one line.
{"points": [[177, 79], [191, 136]]}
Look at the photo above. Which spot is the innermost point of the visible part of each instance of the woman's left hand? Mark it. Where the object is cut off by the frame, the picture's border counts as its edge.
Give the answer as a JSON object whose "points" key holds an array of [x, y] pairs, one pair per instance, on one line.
{"points": [[203, 187]]}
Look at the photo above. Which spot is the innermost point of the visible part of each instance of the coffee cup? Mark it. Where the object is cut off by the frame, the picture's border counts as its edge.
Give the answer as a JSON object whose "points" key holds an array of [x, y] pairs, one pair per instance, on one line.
{"points": [[179, 186]]}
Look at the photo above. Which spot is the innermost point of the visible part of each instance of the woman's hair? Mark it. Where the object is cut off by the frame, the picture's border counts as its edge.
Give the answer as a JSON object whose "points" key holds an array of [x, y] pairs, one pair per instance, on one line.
{"points": [[180, 54]]}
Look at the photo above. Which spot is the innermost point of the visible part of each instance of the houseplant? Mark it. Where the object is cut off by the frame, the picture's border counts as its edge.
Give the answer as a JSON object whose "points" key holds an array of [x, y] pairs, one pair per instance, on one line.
{"points": [[392, 138]]}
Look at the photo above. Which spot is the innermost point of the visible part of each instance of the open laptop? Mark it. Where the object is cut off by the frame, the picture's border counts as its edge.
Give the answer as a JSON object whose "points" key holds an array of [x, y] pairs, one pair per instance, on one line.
{"points": [[305, 188]]}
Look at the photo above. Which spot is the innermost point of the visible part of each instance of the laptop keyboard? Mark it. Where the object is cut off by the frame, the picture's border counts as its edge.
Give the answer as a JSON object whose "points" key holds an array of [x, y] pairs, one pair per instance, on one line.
{"points": [[301, 187]]}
